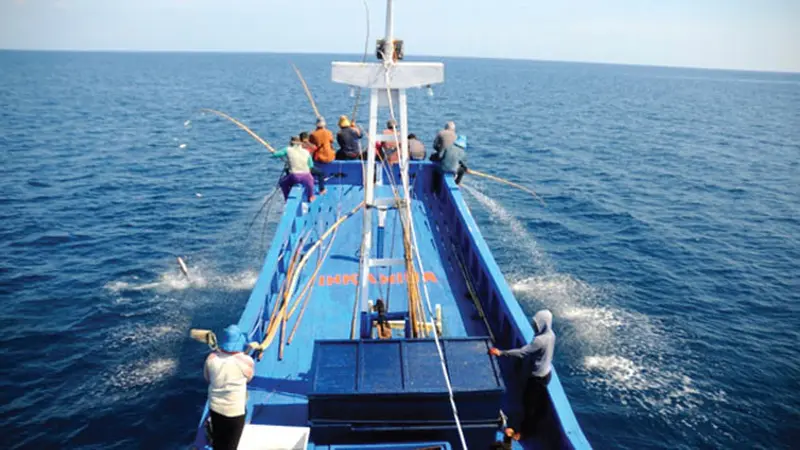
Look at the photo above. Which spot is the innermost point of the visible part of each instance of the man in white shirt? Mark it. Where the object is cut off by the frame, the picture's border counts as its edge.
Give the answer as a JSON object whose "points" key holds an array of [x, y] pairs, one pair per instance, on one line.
{"points": [[228, 371]]}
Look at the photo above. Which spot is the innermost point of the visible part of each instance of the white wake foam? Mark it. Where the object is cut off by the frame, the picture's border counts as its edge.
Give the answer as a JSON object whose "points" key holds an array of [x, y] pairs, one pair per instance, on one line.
{"points": [[519, 236], [141, 373], [621, 350], [149, 337], [199, 278]]}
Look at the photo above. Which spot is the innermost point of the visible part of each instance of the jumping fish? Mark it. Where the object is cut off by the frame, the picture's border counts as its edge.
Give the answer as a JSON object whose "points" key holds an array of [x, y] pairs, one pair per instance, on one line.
{"points": [[182, 266]]}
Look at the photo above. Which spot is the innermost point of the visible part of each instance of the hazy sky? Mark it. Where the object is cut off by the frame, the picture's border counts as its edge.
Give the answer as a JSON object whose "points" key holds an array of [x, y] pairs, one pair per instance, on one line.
{"points": [[739, 34]]}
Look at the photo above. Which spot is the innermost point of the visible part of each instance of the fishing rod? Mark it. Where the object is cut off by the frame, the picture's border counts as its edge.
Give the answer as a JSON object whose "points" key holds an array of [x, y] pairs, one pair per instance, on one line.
{"points": [[291, 279], [510, 183], [308, 91], [242, 126], [363, 60], [310, 288]]}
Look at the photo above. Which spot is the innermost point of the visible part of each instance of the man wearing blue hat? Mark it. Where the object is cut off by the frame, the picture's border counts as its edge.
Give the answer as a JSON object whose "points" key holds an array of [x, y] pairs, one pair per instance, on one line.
{"points": [[451, 159], [228, 370]]}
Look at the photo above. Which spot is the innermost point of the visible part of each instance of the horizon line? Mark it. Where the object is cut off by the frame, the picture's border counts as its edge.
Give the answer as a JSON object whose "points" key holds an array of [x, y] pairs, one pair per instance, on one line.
{"points": [[497, 58]]}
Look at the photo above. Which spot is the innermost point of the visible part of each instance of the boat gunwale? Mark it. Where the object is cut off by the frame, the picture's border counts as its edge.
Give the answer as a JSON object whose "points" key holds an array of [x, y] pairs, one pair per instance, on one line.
{"points": [[523, 332]]}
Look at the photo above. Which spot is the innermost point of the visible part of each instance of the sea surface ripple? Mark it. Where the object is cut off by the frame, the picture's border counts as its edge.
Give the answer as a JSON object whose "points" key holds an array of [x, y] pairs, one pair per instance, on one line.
{"points": [[669, 249]]}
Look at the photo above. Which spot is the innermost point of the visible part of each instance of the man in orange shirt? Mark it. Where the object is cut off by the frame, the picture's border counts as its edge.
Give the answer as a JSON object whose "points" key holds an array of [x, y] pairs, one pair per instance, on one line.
{"points": [[322, 138]]}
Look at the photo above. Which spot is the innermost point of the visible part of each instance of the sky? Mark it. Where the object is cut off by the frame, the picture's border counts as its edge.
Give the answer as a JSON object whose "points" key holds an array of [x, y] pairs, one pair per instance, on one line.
{"points": [[728, 34]]}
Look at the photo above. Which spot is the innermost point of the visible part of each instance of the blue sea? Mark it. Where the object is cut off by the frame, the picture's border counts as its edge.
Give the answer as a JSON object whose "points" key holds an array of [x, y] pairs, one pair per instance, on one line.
{"points": [[668, 249]]}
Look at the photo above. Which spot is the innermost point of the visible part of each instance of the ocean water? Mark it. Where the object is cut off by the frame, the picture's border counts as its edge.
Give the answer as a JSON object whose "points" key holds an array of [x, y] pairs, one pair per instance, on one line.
{"points": [[669, 249]]}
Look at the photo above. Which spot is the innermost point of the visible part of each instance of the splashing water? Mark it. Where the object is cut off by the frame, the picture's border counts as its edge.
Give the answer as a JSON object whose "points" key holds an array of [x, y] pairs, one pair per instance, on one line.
{"points": [[519, 237], [143, 373], [199, 278], [621, 350]]}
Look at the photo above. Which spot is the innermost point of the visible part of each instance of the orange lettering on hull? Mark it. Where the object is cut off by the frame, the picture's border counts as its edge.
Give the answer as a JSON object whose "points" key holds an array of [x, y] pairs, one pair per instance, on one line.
{"points": [[352, 279]]}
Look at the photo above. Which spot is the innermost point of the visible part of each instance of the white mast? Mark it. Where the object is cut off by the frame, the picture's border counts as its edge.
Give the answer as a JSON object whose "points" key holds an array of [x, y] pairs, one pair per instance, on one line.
{"points": [[388, 45], [387, 82], [373, 76]]}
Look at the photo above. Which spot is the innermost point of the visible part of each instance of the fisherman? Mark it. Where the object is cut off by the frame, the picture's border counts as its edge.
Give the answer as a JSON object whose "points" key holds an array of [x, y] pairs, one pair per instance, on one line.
{"points": [[416, 149], [450, 160], [538, 357], [298, 165], [349, 139], [312, 149], [388, 149], [227, 371], [445, 137], [322, 138]]}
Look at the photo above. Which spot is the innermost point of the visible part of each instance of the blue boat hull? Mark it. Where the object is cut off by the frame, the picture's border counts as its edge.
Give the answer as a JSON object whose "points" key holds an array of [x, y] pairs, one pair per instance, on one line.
{"points": [[457, 261]]}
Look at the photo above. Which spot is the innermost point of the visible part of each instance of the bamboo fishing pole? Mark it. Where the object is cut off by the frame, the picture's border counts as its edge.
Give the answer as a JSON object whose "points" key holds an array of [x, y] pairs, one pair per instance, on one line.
{"points": [[363, 60], [310, 283], [322, 238], [310, 287], [284, 286], [281, 338], [308, 91], [242, 126], [510, 183], [280, 302], [295, 269]]}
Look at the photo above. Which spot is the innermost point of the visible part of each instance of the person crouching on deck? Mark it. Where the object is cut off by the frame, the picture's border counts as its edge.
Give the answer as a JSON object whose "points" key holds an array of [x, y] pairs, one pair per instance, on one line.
{"points": [[299, 165], [228, 371], [451, 160], [538, 356], [312, 150]]}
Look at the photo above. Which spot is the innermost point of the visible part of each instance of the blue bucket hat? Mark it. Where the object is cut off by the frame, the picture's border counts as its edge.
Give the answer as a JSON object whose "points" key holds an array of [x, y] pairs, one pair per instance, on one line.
{"points": [[461, 141], [233, 339]]}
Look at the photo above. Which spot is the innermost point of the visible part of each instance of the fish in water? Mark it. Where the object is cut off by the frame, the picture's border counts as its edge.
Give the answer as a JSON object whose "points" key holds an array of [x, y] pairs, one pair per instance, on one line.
{"points": [[182, 146], [182, 266], [187, 123]]}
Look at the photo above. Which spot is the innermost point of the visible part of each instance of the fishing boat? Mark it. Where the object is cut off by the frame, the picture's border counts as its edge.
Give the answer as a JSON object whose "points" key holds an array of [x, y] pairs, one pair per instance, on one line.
{"points": [[378, 302]]}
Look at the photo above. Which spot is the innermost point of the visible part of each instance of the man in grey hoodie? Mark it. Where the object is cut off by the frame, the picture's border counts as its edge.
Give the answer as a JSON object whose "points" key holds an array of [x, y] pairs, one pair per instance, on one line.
{"points": [[538, 358], [451, 160]]}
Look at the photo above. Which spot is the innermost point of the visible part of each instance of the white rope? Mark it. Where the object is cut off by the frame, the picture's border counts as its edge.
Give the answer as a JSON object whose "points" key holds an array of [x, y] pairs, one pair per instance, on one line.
{"points": [[415, 250]]}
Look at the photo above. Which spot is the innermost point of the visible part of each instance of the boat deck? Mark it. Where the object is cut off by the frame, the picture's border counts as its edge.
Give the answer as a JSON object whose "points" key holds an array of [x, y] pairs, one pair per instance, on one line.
{"points": [[450, 246], [278, 391]]}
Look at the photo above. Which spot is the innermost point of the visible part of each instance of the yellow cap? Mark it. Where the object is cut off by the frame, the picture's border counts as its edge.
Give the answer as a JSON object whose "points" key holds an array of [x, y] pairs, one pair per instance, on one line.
{"points": [[344, 122]]}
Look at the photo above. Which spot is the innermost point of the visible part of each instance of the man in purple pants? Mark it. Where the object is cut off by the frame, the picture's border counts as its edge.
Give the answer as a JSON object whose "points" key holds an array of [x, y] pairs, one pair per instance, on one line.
{"points": [[298, 164]]}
